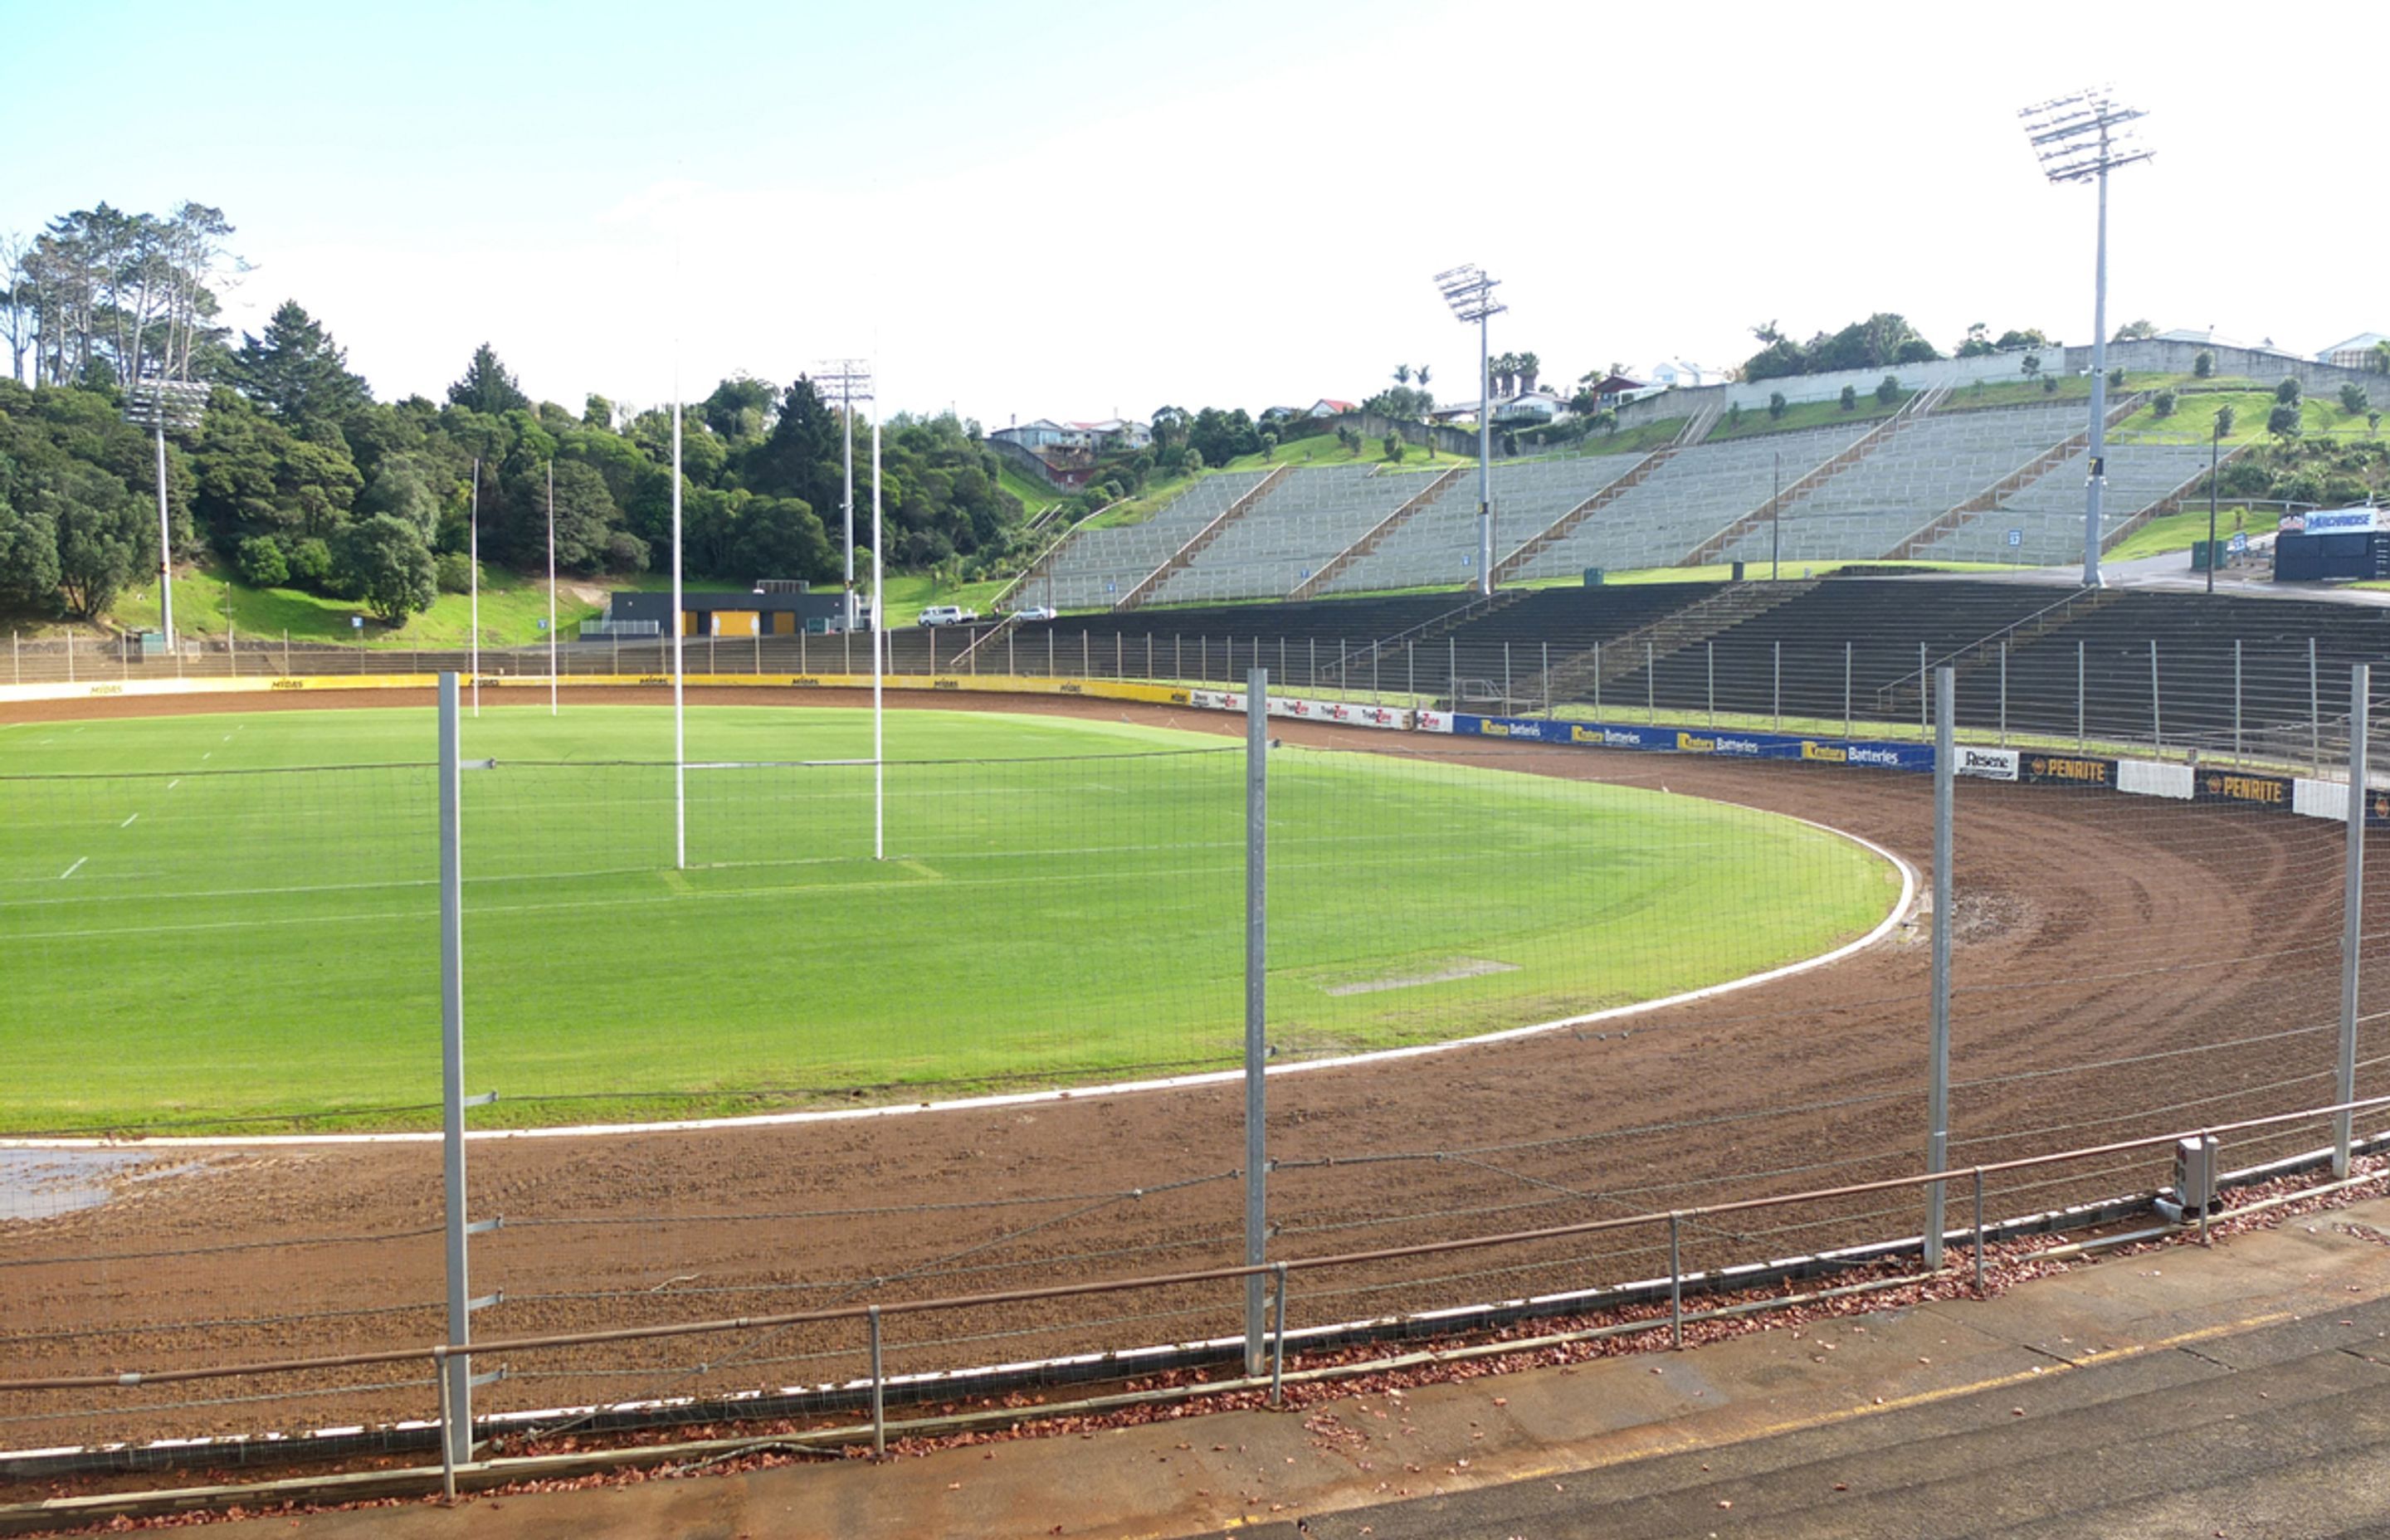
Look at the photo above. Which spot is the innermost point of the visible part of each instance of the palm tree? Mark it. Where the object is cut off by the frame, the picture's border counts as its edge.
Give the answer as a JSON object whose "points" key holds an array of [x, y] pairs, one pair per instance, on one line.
{"points": [[1402, 374], [1528, 365], [1420, 376]]}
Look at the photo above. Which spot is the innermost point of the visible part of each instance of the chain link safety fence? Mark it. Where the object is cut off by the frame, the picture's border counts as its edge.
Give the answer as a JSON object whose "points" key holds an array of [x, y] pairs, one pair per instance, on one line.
{"points": [[241, 941]]}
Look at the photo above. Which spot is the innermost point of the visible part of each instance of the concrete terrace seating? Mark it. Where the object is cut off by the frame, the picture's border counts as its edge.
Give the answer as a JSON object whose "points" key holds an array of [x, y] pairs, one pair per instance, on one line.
{"points": [[1195, 641], [1686, 500], [1883, 619], [1096, 567], [1290, 533], [1438, 544], [2047, 511], [1921, 472]]}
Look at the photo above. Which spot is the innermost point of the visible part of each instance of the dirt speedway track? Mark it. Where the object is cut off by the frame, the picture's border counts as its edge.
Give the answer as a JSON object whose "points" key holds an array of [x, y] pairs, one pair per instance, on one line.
{"points": [[2094, 931]]}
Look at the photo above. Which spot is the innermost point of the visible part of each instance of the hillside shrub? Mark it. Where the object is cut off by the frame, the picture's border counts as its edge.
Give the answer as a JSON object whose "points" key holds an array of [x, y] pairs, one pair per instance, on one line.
{"points": [[1850, 398], [2354, 398], [2285, 421], [2049, 384], [2341, 492], [311, 564], [262, 563], [1776, 403], [2247, 478], [2290, 393], [2299, 486], [1887, 390], [2202, 364], [2165, 404], [2116, 378], [455, 572]]}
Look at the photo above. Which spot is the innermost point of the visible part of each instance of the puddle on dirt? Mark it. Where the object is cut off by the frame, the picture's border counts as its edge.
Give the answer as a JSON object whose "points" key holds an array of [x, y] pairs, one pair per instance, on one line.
{"points": [[43, 1184]]}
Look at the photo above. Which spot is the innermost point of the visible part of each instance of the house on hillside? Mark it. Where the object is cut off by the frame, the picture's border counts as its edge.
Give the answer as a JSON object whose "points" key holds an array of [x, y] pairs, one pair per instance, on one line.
{"points": [[1094, 438], [1529, 408], [1328, 407], [1678, 373], [2355, 353], [1617, 389], [2209, 337]]}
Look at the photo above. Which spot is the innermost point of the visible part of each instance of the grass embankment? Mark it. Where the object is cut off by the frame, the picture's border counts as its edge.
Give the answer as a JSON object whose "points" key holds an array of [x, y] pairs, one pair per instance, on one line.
{"points": [[1059, 902], [208, 600], [1754, 422], [2177, 531]]}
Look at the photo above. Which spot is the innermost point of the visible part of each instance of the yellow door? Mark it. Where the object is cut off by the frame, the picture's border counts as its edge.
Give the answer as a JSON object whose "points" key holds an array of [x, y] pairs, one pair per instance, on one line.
{"points": [[734, 623]]}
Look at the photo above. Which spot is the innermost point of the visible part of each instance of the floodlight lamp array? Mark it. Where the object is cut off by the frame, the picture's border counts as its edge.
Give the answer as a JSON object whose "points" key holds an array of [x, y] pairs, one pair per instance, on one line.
{"points": [[2082, 135], [1470, 292], [174, 404], [844, 378]]}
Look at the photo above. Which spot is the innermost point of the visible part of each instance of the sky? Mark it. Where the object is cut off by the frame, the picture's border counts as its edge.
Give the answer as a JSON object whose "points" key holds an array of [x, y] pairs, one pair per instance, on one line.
{"points": [[1073, 211]]}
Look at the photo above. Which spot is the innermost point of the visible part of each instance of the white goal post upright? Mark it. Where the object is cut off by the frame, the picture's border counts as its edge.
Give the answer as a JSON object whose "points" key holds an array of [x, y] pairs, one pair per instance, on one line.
{"points": [[473, 559], [551, 587], [680, 729], [878, 725]]}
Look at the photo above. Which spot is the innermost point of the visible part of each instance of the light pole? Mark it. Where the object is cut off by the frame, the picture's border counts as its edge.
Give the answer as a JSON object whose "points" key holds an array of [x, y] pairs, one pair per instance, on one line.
{"points": [[2082, 138], [852, 379], [159, 405], [1471, 294]]}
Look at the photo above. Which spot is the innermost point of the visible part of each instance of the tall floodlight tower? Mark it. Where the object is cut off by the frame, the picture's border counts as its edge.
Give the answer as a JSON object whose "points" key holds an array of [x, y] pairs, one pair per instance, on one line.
{"points": [[2082, 138], [1471, 294], [159, 405], [848, 380]]}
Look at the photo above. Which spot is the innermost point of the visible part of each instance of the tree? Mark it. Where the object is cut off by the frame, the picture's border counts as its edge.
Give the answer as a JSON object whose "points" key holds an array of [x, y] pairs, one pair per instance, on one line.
{"points": [[2031, 365], [487, 387], [1349, 438], [2030, 337], [1887, 390], [1419, 377], [2354, 398], [2136, 331], [262, 563], [29, 557], [2290, 392], [103, 535], [1394, 447], [2224, 417], [1978, 343], [1776, 403], [1402, 374], [2378, 359], [295, 371], [780, 537], [2163, 404], [1850, 398], [2202, 364], [385, 564], [1529, 366], [2285, 421], [2116, 378]]}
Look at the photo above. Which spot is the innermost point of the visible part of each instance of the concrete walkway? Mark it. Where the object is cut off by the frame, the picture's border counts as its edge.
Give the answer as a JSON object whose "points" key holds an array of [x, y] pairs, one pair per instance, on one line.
{"points": [[2235, 1391]]}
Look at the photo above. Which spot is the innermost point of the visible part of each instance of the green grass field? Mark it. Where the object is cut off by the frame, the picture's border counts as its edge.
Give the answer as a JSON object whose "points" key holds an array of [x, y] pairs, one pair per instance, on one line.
{"points": [[192, 928]]}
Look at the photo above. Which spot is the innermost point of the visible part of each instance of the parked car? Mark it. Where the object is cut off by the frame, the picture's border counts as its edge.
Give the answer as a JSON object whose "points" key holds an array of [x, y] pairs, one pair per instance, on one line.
{"points": [[1035, 613], [948, 614]]}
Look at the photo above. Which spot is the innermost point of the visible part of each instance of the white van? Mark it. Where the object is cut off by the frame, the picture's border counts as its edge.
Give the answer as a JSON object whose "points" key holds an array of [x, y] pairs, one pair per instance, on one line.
{"points": [[947, 614]]}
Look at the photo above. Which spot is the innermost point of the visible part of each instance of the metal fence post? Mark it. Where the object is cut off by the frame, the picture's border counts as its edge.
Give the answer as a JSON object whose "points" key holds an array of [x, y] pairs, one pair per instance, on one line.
{"points": [[1086, 668], [1651, 688], [1508, 709], [1846, 689], [2315, 706], [2078, 694], [1937, 1096], [1597, 681], [1979, 1231], [1120, 656], [2236, 697], [457, 1427], [1547, 680], [879, 1388], [1924, 681], [1410, 670], [2157, 717], [2352, 902], [1310, 668], [1776, 687], [1050, 652], [1675, 1281], [2004, 692], [1452, 668], [1277, 1337], [447, 1418], [1710, 652], [1257, 1001]]}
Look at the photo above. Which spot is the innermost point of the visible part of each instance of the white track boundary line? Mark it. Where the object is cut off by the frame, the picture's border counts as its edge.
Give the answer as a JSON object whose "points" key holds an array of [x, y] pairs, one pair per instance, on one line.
{"points": [[76, 867], [1900, 913]]}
